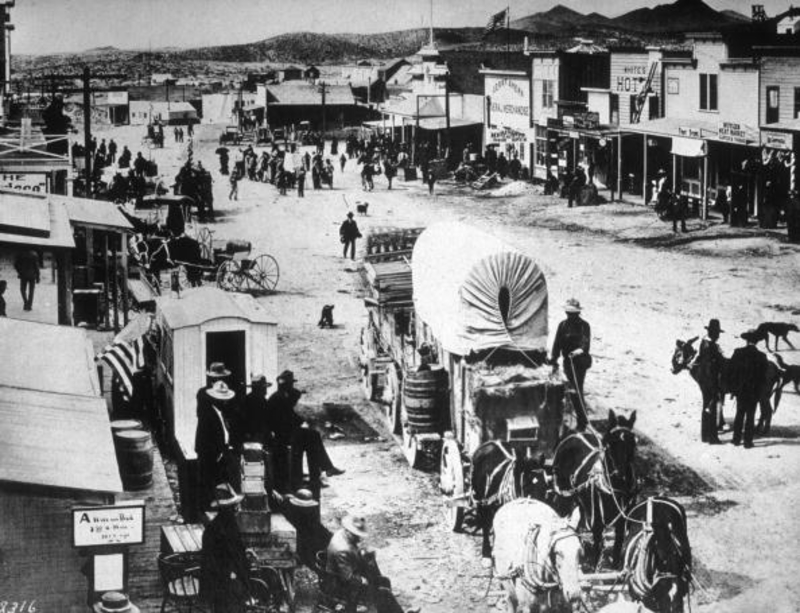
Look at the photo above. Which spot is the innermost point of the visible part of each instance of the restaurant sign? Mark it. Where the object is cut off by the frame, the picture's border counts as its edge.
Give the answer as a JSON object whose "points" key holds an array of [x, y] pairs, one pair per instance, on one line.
{"points": [[112, 525], [777, 140], [732, 133]]}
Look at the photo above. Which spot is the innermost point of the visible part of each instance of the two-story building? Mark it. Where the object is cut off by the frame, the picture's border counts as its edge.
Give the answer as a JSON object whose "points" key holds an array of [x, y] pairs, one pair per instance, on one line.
{"points": [[708, 138]]}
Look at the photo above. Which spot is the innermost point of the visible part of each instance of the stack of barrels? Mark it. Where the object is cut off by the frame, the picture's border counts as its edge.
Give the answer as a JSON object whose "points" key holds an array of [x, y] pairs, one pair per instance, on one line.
{"points": [[134, 447], [425, 399]]}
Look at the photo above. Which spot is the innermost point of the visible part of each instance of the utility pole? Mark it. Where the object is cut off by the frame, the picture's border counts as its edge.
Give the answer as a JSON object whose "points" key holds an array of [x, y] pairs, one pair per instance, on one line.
{"points": [[323, 90]]}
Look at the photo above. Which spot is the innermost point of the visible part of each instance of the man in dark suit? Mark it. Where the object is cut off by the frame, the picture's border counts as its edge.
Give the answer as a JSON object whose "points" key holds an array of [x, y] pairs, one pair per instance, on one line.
{"points": [[255, 410], [289, 429], [224, 569], [572, 342], [213, 443], [348, 233], [748, 371], [709, 365]]}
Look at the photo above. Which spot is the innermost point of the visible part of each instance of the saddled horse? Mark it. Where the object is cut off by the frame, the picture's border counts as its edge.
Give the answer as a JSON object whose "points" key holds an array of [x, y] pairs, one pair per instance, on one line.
{"points": [[598, 473], [658, 557], [537, 557], [683, 358], [500, 476]]}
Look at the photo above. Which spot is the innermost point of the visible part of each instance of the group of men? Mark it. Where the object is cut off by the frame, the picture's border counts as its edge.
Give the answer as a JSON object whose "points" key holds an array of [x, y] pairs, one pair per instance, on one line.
{"points": [[747, 373]]}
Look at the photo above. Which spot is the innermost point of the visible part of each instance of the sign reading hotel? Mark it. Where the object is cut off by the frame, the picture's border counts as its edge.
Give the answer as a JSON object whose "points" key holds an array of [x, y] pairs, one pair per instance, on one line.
{"points": [[776, 140], [112, 525], [732, 133], [24, 182], [510, 102]]}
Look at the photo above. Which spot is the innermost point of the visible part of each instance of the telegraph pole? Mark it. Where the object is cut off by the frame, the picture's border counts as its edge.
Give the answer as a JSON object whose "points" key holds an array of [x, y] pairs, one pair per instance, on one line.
{"points": [[323, 90]]}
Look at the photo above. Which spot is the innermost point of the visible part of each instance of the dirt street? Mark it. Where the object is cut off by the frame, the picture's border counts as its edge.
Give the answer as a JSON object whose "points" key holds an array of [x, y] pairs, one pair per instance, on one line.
{"points": [[640, 293]]}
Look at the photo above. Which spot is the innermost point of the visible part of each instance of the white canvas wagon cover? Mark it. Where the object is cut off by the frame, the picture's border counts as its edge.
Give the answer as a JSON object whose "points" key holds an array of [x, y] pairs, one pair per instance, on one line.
{"points": [[476, 293]]}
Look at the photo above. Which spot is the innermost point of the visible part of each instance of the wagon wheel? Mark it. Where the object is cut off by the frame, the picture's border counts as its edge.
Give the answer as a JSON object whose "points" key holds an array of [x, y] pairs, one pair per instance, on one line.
{"points": [[229, 276], [451, 483], [393, 398], [205, 239], [262, 274]]}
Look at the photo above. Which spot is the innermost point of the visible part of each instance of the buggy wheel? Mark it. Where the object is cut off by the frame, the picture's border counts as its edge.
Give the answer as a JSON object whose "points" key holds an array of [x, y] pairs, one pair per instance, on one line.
{"points": [[229, 276], [206, 249], [262, 275], [451, 483]]}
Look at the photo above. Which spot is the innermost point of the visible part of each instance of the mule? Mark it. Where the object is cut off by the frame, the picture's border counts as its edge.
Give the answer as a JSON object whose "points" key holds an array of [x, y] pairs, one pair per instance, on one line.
{"points": [[658, 556], [598, 474], [537, 557], [498, 477], [683, 358]]}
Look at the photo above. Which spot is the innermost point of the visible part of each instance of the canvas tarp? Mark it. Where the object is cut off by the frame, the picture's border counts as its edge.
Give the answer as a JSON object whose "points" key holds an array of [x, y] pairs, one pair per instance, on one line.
{"points": [[458, 277]]}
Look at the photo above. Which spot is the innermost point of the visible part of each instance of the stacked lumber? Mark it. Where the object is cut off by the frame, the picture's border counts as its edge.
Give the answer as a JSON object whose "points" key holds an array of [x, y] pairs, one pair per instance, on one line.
{"points": [[389, 282]]}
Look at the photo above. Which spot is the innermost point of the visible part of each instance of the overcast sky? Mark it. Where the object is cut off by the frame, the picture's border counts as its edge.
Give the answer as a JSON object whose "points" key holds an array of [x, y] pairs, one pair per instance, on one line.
{"points": [[47, 26]]}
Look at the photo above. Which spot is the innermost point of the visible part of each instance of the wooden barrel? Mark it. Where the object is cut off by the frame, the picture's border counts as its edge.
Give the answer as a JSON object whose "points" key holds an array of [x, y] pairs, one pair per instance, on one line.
{"points": [[125, 424], [135, 454], [425, 398]]}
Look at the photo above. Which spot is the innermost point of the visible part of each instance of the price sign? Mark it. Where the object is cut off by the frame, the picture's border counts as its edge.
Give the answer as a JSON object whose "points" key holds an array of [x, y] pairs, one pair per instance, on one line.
{"points": [[112, 525]]}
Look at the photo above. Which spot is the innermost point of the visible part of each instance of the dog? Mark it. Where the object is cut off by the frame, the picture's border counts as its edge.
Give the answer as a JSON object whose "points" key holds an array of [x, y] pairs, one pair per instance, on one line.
{"points": [[362, 207], [779, 330], [790, 374], [326, 318]]}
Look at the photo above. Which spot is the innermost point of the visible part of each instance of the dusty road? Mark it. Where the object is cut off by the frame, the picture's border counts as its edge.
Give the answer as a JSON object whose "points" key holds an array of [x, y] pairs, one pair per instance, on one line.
{"points": [[638, 296]]}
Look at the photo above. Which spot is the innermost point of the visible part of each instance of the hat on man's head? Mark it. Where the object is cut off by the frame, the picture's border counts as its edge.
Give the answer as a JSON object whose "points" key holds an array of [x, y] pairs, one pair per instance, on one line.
{"points": [[661, 171], [225, 496], [114, 602], [259, 379], [220, 391], [217, 369], [355, 525], [713, 326], [287, 376], [349, 213], [572, 306], [302, 498], [751, 335]]}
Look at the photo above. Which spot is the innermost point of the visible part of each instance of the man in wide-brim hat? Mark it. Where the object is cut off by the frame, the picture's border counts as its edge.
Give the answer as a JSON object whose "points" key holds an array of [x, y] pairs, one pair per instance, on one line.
{"points": [[114, 602], [709, 363], [747, 373], [213, 442], [255, 410], [572, 342], [224, 569], [216, 371], [355, 567]]}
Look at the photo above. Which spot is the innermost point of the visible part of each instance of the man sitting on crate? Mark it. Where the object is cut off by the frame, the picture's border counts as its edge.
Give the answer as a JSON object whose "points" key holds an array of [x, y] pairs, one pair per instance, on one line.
{"points": [[357, 576], [289, 429]]}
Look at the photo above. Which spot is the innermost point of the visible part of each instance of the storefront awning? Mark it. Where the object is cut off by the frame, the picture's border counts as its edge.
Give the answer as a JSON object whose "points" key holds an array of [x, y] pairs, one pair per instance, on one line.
{"points": [[688, 147], [723, 131], [440, 123]]}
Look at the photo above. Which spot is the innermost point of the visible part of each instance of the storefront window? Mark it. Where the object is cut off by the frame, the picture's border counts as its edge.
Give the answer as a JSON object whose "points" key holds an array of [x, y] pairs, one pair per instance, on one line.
{"points": [[773, 104], [548, 92], [541, 146]]}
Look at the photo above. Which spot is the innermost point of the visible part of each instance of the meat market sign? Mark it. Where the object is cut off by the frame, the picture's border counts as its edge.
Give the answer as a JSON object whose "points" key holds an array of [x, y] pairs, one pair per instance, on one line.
{"points": [[509, 101], [732, 133], [121, 524]]}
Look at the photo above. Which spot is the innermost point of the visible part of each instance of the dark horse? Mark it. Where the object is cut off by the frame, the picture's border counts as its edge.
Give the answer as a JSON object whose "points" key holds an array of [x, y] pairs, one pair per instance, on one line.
{"points": [[161, 253], [658, 557], [598, 474], [683, 358], [500, 476]]}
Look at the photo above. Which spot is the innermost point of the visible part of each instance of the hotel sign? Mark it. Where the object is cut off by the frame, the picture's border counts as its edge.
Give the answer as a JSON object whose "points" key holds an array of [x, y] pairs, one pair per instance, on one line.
{"points": [[777, 140], [732, 133]]}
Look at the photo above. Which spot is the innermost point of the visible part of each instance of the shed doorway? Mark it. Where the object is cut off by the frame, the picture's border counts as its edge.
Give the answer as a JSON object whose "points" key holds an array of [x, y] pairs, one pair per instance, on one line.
{"points": [[229, 348]]}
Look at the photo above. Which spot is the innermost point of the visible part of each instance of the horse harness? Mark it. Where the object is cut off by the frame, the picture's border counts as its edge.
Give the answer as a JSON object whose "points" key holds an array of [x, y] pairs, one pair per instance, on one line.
{"points": [[507, 491]]}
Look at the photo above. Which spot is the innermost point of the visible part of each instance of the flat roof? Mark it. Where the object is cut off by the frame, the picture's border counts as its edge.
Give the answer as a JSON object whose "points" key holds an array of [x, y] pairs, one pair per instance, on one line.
{"points": [[57, 440], [201, 304], [59, 231], [785, 126], [46, 357]]}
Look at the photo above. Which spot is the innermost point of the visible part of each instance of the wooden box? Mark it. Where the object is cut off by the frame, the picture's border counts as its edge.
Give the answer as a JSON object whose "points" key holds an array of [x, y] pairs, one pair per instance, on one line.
{"points": [[280, 543], [253, 522]]}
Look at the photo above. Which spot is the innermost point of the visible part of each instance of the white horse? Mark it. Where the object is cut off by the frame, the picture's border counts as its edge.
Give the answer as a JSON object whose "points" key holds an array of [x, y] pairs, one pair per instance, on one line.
{"points": [[537, 557]]}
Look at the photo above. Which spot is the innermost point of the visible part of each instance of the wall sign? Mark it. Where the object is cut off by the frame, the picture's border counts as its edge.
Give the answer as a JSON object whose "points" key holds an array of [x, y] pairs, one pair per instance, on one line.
{"points": [[509, 101], [732, 133], [777, 140], [24, 182], [113, 525], [507, 135]]}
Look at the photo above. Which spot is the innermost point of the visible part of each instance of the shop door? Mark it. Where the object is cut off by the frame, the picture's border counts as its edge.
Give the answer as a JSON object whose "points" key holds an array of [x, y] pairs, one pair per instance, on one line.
{"points": [[229, 348]]}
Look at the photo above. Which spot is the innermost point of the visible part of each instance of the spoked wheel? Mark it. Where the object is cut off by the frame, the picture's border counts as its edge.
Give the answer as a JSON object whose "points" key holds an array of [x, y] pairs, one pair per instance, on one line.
{"points": [[228, 276], [393, 398], [205, 239], [262, 275], [451, 483]]}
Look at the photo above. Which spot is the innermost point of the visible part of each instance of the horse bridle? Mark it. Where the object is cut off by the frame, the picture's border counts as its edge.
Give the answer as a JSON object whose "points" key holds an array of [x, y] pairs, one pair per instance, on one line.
{"points": [[624, 430]]}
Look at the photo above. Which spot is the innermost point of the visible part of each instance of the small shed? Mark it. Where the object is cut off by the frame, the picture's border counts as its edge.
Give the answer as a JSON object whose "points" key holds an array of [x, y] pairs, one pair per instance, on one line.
{"points": [[202, 326]]}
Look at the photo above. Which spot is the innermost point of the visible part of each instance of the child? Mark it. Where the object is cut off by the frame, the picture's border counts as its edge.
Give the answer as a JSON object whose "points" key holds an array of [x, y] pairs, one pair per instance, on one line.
{"points": [[3, 285]]}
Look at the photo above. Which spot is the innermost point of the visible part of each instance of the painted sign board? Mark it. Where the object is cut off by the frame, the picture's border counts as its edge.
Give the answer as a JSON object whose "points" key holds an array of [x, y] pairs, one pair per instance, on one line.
{"points": [[112, 525], [732, 133], [777, 140]]}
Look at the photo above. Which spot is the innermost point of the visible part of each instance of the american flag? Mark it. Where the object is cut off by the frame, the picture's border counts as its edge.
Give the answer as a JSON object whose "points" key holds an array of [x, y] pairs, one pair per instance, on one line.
{"points": [[495, 21], [124, 359]]}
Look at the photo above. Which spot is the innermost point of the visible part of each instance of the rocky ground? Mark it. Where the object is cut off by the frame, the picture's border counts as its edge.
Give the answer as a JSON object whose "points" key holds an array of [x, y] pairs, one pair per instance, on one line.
{"points": [[642, 289]]}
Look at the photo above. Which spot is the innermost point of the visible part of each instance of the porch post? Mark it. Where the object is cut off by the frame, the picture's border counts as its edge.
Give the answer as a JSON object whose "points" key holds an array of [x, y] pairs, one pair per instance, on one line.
{"points": [[644, 168], [123, 245], [704, 187], [64, 286]]}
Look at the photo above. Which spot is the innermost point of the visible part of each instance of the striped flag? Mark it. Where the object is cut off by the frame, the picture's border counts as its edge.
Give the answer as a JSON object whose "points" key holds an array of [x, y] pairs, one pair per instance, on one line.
{"points": [[124, 359], [495, 22]]}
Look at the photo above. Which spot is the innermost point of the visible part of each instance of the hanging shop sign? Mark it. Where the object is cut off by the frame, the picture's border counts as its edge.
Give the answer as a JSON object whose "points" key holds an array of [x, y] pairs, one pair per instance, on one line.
{"points": [[732, 133], [777, 140], [690, 132], [586, 121], [102, 526]]}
